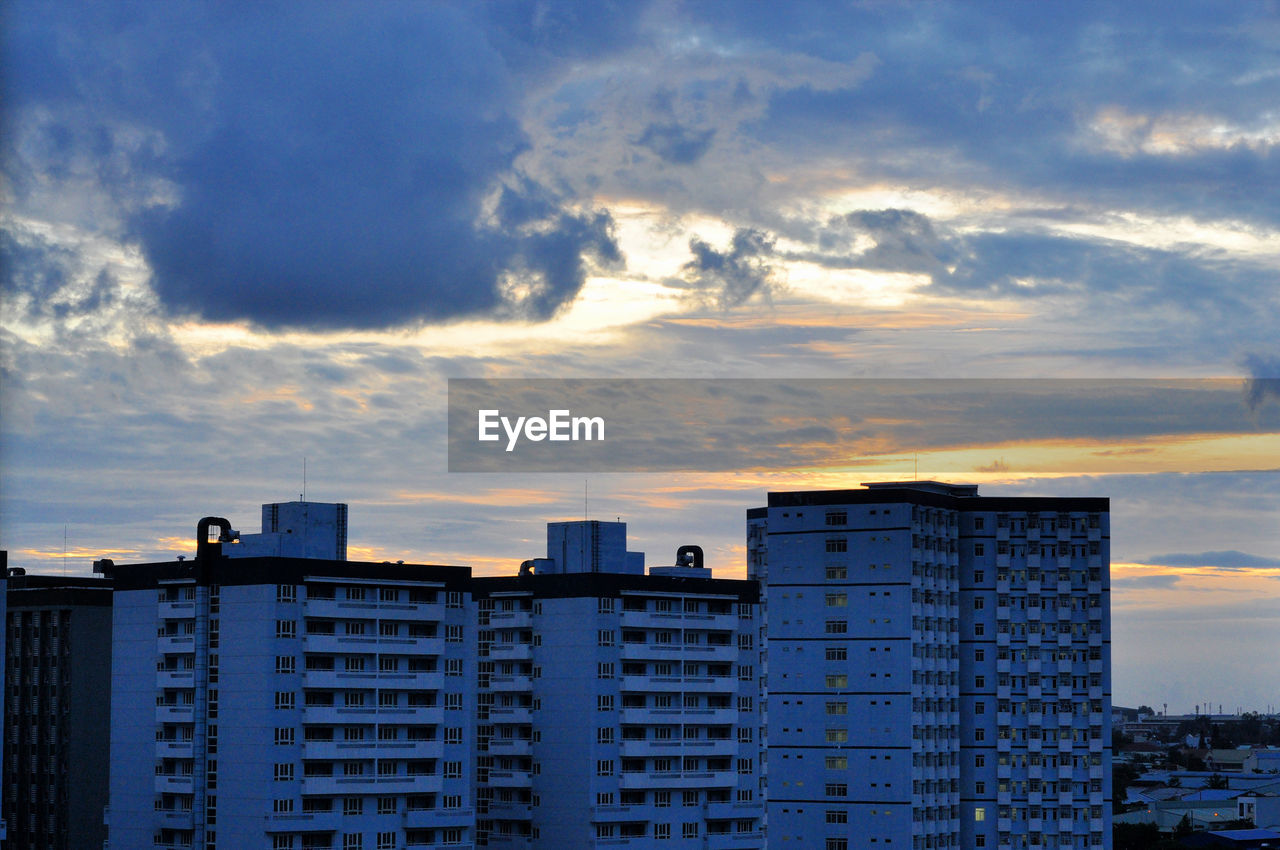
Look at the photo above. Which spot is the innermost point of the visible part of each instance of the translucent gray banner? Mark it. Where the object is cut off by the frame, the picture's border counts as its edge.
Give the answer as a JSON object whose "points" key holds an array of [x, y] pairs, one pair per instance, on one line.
{"points": [[1065, 426]]}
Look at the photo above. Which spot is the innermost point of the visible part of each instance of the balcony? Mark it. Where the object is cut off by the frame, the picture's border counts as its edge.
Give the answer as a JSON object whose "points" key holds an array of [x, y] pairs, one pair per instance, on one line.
{"points": [[658, 651], [518, 715], [717, 779], [305, 822], [733, 840], [175, 713], [509, 779], [175, 644], [648, 684], [175, 678], [510, 683], [339, 679], [174, 749], [510, 620], [670, 747], [175, 819], [184, 610], [510, 746], [511, 652], [332, 714], [652, 619], [333, 786], [167, 783], [440, 818]]}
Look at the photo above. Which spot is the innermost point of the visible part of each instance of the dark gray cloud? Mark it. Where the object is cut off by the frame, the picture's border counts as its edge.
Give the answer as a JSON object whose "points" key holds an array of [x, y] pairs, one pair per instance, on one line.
{"points": [[325, 166], [736, 274]]}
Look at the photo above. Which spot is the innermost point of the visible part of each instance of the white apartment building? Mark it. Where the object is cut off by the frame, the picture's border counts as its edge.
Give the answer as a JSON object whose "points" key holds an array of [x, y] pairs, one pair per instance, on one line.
{"points": [[290, 703], [618, 709], [938, 668]]}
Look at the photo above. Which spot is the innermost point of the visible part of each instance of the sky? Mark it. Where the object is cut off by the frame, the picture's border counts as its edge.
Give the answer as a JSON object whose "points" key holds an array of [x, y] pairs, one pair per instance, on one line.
{"points": [[238, 240]]}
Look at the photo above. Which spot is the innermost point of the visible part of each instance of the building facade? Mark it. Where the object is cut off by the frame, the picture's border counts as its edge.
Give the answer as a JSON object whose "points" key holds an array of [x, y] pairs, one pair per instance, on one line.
{"points": [[296, 703], [290, 703], [57, 663], [938, 668]]}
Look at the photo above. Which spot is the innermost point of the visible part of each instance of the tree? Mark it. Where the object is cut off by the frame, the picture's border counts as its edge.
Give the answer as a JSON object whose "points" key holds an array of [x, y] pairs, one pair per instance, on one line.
{"points": [[1218, 781], [1184, 827], [1146, 710]]}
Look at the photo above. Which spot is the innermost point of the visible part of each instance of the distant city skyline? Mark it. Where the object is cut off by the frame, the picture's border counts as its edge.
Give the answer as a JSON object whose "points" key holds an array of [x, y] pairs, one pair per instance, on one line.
{"points": [[234, 242]]}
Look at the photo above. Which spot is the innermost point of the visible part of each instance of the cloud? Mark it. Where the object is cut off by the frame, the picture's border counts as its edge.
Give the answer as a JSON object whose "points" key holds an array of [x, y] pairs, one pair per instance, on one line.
{"points": [[1162, 582], [676, 144], [736, 274], [322, 166], [1230, 559], [1264, 380]]}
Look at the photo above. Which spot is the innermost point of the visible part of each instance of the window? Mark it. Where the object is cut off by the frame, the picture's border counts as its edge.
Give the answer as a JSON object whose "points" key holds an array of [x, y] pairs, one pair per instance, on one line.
{"points": [[286, 593], [284, 736], [353, 842], [837, 573], [386, 840], [837, 762], [453, 770], [284, 773], [689, 830], [284, 699], [353, 806], [285, 664], [453, 666], [837, 681], [605, 606], [836, 627], [837, 518], [604, 637], [604, 735], [837, 789], [837, 600], [604, 670], [837, 844], [604, 767], [662, 831], [837, 816], [979, 549], [837, 653], [453, 634], [286, 628], [837, 708], [604, 702], [837, 544], [837, 736], [980, 814]]}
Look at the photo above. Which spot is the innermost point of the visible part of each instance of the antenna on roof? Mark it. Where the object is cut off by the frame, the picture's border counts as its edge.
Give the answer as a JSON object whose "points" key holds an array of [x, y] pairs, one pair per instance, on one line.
{"points": [[585, 514], [304, 478]]}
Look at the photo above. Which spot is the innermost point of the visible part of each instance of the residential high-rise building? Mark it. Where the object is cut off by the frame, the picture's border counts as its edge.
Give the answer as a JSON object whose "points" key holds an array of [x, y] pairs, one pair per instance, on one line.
{"points": [[298, 703], [57, 667], [290, 703], [617, 708], [938, 668]]}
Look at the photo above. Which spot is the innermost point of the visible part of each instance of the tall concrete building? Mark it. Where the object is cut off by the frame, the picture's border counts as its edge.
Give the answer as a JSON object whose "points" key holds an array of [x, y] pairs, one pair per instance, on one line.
{"points": [[294, 703], [938, 668], [617, 708], [290, 703], [56, 721]]}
